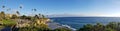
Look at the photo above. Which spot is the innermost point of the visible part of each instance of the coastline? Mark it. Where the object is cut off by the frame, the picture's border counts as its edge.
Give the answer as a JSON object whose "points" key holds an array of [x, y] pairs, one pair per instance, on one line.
{"points": [[54, 25]]}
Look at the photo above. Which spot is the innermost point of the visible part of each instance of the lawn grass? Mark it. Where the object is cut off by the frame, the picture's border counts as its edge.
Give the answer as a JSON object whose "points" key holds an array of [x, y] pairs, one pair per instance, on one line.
{"points": [[8, 22]]}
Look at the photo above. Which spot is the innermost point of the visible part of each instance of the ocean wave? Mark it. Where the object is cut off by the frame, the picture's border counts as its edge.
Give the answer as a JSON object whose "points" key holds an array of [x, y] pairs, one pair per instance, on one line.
{"points": [[69, 27], [63, 25]]}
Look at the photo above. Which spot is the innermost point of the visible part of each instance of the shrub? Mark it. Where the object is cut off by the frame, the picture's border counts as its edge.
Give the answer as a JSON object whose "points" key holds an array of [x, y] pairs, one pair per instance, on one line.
{"points": [[61, 29]]}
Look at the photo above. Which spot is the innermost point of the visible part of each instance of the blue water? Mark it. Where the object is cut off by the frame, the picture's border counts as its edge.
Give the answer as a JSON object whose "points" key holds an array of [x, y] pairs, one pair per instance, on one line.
{"points": [[78, 22]]}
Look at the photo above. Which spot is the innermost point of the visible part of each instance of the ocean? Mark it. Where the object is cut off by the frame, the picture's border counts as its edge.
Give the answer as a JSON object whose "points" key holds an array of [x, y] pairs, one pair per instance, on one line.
{"points": [[79, 22]]}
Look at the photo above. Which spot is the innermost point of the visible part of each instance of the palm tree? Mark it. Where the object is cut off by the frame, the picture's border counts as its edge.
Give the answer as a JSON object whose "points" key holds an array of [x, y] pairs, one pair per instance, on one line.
{"points": [[43, 16], [18, 12], [8, 9], [36, 17], [3, 6], [20, 7], [34, 9]]}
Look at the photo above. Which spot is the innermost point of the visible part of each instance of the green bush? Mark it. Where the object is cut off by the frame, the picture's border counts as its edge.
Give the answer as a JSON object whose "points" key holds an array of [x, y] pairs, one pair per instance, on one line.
{"points": [[112, 26], [1, 27], [27, 29], [33, 29], [62, 29]]}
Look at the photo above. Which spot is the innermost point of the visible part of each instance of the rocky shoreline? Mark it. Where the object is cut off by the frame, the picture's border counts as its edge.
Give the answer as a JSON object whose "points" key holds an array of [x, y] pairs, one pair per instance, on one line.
{"points": [[54, 25]]}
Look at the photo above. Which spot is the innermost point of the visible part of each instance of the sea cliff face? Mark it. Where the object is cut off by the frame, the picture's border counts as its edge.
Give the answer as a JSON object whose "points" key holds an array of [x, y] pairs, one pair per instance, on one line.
{"points": [[25, 22]]}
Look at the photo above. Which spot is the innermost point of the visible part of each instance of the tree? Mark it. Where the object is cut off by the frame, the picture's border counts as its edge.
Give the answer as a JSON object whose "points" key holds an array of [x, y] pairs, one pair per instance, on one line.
{"points": [[23, 16], [3, 6], [14, 16], [43, 16], [8, 9], [34, 9], [36, 17], [2, 15], [21, 7], [18, 12]]}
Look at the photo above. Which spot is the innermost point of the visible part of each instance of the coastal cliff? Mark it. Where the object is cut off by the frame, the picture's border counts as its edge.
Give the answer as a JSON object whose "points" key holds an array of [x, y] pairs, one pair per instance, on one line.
{"points": [[13, 22]]}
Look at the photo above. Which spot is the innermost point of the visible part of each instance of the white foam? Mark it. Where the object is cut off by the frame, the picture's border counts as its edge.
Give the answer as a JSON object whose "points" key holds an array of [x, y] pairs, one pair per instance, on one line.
{"points": [[69, 27]]}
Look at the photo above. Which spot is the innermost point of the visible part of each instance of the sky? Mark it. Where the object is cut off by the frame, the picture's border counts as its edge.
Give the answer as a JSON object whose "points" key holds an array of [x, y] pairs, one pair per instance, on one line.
{"points": [[65, 7]]}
